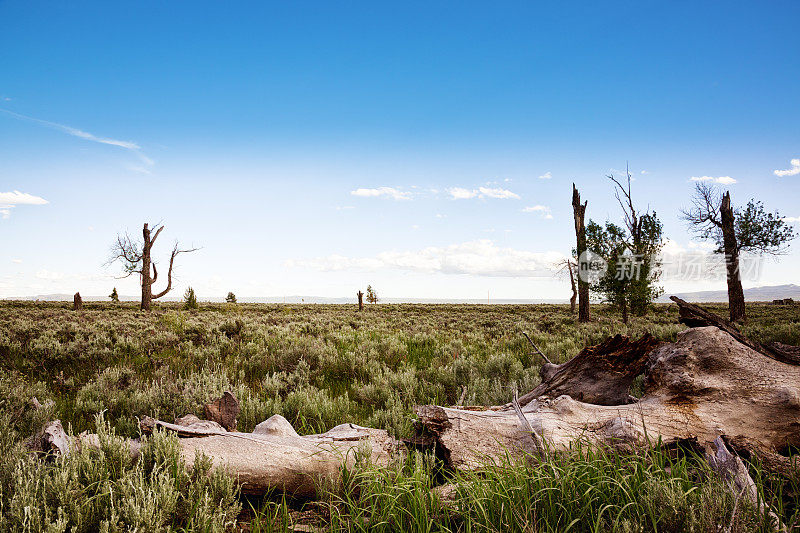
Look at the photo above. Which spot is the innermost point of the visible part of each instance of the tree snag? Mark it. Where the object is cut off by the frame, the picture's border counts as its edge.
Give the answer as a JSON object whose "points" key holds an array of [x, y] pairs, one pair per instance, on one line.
{"points": [[360, 295], [579, 211], [136, 258], [77, 302]]}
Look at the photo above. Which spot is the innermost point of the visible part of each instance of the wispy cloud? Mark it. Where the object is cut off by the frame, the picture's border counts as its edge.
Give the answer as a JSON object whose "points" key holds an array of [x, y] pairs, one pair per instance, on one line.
{"points": [[387, 192], [543, 210], [546, 176], [75, 132], [9, 200], [460, 193], [722, 180], [791, 219], [794, 171], [478, 258]]}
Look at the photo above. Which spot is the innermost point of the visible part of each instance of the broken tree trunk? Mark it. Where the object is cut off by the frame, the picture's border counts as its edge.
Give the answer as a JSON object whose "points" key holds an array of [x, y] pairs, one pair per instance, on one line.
{"points": [[579, 212], [704, 385], [600, 374]]}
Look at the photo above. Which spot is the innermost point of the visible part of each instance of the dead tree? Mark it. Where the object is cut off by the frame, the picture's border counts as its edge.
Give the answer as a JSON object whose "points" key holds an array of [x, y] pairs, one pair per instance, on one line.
{"points": [[136, 258], [570, 266], [360, 300], [77, 302], [579, 211]]}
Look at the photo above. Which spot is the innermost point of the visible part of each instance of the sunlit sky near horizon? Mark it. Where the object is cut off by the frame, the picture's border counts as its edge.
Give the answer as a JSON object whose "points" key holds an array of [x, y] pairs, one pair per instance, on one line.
{"points": [[426, 148]]}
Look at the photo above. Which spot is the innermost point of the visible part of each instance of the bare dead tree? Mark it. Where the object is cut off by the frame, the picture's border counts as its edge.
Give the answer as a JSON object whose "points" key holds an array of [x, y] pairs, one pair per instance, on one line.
{"points": [[579, 211], [360, 300], [136, 258], [570, 266]]}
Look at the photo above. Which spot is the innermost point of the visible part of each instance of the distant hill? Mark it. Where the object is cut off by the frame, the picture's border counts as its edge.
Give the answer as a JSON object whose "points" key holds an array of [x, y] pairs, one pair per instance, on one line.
{"points": [[756, 294]]}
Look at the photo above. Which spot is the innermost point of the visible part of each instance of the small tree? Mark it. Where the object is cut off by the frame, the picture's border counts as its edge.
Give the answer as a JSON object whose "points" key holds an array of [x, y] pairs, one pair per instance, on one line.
{"points": [[230, 298], [735, 230], [189, 299], [114, 296], [613, 285], [372, 296], [136, 258]]}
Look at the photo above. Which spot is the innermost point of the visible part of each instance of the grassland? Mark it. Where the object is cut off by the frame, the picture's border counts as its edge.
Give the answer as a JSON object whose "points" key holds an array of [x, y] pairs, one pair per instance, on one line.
{"points": [[320, 366]]}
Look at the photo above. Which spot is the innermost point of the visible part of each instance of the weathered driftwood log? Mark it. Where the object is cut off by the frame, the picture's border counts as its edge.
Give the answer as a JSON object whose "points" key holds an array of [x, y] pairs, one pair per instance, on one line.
{"points": [[704, 385], [275, 457], [695, 316]]}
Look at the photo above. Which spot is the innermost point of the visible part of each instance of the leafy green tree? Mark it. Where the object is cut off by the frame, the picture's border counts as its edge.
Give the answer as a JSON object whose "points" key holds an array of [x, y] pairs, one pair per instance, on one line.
{"points": [[190, 299], [231, 298], [631, 254], [372, 296], [114, 296]]}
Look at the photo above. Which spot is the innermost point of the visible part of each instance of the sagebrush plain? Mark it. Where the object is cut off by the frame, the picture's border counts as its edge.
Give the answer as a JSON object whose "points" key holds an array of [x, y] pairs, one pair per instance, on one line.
{"points": [[321, 365]]}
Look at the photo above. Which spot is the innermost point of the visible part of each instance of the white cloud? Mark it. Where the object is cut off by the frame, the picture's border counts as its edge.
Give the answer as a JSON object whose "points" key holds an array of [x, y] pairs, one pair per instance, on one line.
{"points": [[724, 180], [17, 261], [389, 192], [791, 219], [542, 209], [439, 215], [546, 176], [460, 193], [344, 207], [19, 198], [794, 171], [9, 200], [49, 275], [478, 258]]}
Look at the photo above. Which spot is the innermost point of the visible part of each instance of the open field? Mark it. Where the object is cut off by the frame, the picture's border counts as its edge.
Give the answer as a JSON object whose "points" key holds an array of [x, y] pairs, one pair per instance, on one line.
{"points": [[318, 366]]}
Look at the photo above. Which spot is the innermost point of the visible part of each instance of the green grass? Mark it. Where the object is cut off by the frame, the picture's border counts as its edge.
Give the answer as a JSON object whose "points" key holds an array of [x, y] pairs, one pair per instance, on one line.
{"points": [[318, 366]]}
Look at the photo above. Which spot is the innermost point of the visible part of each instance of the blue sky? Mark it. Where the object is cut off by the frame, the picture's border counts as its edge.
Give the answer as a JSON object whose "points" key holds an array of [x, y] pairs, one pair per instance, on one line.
{"points": [[312, 148]]}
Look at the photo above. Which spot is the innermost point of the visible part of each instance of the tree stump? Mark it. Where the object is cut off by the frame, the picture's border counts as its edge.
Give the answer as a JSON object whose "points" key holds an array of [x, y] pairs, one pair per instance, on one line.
{"points": [[77, 302]]}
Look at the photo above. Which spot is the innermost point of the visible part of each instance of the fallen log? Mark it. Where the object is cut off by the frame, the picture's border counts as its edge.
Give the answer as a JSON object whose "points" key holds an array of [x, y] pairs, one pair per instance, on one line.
{"points": [[275, 457], [704, 385]]}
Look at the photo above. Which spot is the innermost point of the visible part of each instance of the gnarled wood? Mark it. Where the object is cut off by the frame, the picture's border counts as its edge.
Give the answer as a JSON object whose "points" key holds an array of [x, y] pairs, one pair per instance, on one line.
{"points": [[704, 385], [600, 374]]}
